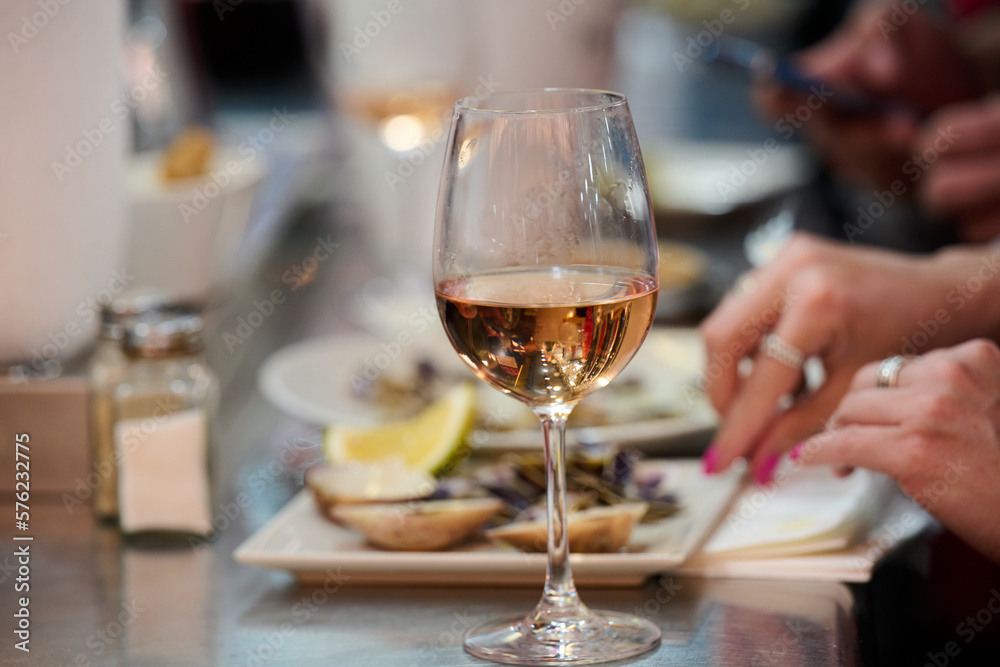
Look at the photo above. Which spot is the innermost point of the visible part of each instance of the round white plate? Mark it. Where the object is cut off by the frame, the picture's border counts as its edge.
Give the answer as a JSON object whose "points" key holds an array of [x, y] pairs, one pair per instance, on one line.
{"points": [[714, 178], [315, 381]]}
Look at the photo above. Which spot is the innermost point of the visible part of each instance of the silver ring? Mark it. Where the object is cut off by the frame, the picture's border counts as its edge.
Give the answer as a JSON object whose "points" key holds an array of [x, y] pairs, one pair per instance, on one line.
{"points": [[781, 350], [888, 372]]}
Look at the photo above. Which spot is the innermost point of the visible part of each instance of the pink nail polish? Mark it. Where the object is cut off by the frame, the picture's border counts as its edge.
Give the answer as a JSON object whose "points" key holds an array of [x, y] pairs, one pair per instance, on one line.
{"points": [[766, 471], [709, 459], [796, 451]]}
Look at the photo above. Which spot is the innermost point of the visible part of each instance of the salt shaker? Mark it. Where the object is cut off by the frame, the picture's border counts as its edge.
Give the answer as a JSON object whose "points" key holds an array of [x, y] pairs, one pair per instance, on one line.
{"points": [[163, 410], [105, 371]]}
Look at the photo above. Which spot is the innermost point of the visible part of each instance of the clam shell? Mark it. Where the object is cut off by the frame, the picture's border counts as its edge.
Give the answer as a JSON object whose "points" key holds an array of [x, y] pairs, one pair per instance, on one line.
{"points": [[594, 530], [420, 525], [353, 483]]}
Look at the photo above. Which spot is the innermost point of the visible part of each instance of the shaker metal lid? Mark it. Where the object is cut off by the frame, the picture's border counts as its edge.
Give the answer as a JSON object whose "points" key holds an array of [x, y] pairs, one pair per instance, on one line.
{"points": [[131, 303], [163, 332]]}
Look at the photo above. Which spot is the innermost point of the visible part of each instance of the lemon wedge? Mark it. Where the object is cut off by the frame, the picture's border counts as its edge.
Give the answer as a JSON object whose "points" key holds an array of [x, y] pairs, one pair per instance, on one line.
{"points": [[432, 441]]}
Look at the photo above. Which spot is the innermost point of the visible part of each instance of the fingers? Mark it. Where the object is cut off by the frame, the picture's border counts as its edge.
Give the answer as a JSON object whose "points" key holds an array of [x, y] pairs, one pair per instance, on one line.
{"points": [[871, 426], [806, 417], [878, 448], [959, 148], [861, 149], [972, 127], [754, 407], [875, 407], [974, 362], [836, 58], [958, 185], [776, 101], [967, 369], [984, 359], [801, 421], [867, 376], [734, 330], [980, 226]]}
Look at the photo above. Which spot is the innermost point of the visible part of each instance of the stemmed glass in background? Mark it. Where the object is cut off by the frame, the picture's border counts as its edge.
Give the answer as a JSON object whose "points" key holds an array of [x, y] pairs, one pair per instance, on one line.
{"points": [[393, 77], [545, 274]]}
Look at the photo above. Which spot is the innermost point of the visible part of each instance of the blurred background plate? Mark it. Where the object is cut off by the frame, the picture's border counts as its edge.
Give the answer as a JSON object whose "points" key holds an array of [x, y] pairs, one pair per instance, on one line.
{"points": [[717, 177], [652, 404], [684, 286]]}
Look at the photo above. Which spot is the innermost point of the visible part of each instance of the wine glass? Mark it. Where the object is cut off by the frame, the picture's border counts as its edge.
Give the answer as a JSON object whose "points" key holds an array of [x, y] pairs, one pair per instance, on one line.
{"points": [[545, 274]]}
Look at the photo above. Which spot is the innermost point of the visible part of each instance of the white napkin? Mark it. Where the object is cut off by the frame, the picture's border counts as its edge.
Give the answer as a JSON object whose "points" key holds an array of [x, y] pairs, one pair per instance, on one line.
{"points": [[810, 512]]}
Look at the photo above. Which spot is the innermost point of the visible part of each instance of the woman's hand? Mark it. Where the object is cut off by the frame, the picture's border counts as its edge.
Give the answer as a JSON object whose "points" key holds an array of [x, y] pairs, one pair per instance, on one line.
{"points": [[847, 306], [915, 62], [937, 433], [962, 179]]}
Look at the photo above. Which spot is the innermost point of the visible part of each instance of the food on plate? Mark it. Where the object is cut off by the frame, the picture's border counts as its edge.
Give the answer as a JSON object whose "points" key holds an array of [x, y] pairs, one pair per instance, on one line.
{"points": [[594, 530], [409, 388], [596, 475], [188, 155], [608, 493], [425, 525], [356, 482], [433, 441], [412, 387]]}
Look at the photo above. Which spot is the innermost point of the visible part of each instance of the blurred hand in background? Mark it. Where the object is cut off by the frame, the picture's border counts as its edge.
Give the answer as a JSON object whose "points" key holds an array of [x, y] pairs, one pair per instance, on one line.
{"points": [[963, 183], [915, 62]]}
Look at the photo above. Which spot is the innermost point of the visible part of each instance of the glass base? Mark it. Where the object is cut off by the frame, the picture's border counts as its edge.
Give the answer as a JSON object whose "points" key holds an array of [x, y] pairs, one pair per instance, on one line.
{"points": [[604, 636]]}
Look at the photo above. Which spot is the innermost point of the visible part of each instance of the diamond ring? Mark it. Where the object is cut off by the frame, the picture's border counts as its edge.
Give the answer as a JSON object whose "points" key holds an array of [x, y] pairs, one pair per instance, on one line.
{"points": [[888, 372], [781, 350]]}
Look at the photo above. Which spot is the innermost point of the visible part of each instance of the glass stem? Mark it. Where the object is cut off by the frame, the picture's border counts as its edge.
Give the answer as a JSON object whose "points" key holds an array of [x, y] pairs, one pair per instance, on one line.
{"points": [[560, 604]]}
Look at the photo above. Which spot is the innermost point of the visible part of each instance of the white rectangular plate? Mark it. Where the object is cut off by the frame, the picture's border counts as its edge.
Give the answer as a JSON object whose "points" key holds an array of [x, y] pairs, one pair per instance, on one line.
{"points": [[299, 539]]}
